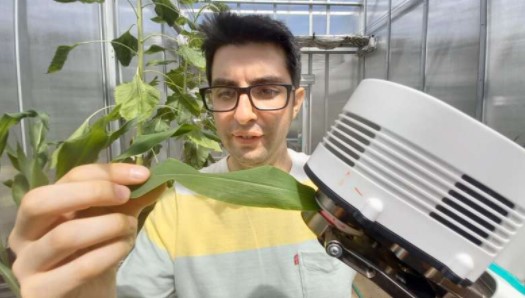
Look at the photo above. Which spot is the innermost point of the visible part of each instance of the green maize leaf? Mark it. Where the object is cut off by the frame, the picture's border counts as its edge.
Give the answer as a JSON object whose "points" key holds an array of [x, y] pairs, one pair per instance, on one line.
{"points": [[11, 154], [81, 130], [143, 143], [137, 99], [9, 119], [4, 259], [37, 136], [154, 49], [19, 188], [60, 58], [31, 171], [192, 55], [85, 148], [166, 11], [258, 187], [125, 47], [10, 279]]}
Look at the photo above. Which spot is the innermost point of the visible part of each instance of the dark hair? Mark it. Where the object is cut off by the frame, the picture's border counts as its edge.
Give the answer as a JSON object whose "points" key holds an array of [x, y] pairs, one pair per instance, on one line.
{"points": [[231, 29]]}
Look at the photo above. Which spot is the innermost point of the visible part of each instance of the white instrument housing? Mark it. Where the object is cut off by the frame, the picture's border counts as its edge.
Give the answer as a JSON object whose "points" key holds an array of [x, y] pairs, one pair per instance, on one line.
{"points": [[441, 184]]}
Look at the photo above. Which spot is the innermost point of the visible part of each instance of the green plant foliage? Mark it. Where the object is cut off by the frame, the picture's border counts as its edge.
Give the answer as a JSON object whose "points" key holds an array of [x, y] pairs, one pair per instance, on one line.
{"points": [[60, 58], [126, 47], [5, 272], [166, 11], [145, 142], [154, 49], [192, 55], [9, 119], [85, 148], [137, 99], [258, 187]]}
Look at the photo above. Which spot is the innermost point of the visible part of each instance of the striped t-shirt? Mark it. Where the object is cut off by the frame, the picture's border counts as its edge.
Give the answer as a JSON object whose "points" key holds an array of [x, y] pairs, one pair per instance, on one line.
{"points": [[193, 246]]}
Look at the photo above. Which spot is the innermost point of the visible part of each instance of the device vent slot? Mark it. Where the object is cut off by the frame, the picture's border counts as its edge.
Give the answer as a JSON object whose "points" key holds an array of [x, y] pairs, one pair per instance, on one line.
{"points": [[346, 119], [482, 199], [488, 191], [460, 220], [475, 206], [455, 228], [474, 217], [329, 143], [364, 121], [346, 140], [345, 127]]}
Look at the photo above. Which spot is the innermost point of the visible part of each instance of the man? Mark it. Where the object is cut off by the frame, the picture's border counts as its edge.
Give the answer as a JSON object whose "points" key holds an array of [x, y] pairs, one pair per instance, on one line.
{"points": [[191, 246]]}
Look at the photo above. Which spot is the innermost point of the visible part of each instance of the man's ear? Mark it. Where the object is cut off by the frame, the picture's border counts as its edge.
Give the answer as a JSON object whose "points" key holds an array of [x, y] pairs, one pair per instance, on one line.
{"points": [[298, 100]]}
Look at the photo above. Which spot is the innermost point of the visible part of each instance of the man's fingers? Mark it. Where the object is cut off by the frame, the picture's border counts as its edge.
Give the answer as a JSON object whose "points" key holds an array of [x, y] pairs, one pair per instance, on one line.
{"points": [[43, 206], [92, 266], [70, 238], [120, 173], [135, 206]]}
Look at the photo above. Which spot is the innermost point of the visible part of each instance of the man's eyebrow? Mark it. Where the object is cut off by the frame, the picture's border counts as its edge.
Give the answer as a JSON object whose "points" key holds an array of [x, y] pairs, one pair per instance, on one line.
{"points": [[258, 81], [223, 82], [268, 80]]}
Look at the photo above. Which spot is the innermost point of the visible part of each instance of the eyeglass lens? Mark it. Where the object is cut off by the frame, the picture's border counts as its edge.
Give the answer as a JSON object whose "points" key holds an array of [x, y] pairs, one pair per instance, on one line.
{"points": [[263, 97]]}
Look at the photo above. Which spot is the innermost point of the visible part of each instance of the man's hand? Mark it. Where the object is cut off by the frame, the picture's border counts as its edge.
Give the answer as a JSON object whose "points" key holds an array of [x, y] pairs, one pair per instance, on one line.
{"points": [[70, 236]]}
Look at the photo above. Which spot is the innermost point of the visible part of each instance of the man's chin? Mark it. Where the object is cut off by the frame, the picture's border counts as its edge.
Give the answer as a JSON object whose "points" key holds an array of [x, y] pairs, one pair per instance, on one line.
{"points": [[249, 159]]}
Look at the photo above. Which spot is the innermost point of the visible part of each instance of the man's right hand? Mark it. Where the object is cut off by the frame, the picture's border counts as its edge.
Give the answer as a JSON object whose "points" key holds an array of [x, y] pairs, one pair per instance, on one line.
{"points": [[69, 237]]}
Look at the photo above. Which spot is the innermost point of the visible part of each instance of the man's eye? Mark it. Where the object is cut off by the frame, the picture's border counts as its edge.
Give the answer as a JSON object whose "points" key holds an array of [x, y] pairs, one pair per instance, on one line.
{"points": [[267, 92], [225, 94]]}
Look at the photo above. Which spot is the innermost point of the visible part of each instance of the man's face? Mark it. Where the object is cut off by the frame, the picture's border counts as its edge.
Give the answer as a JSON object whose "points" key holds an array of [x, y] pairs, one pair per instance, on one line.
{"points": [[254, 137]]}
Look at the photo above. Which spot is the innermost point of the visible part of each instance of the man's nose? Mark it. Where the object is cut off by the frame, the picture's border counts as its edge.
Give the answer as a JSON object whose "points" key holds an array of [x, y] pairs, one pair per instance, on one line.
{"points": [[245, 112]]}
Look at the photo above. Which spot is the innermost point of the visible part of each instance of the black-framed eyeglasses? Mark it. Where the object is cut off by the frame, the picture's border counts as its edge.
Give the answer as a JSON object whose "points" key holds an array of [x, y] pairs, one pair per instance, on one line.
{"points": [[264, 97]]}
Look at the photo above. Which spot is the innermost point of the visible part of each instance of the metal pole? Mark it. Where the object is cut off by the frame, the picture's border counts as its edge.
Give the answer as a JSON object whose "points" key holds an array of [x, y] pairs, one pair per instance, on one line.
{"points": [[482, 71], [424, 40], [18, 73], [110, 74]]}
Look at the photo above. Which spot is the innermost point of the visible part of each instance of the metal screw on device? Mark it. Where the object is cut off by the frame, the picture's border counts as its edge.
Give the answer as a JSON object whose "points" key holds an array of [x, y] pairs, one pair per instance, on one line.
{"points": [[335, 250]]}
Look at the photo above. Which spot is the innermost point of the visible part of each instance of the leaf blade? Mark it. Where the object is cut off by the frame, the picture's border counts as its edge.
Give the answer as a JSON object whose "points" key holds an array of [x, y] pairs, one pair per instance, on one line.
{"points": [[60, 57], [265, 186], [137, 99]]}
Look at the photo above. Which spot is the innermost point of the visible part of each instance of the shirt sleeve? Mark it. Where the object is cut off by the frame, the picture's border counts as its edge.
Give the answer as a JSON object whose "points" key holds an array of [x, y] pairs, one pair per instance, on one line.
{"points": [[148, 269]]}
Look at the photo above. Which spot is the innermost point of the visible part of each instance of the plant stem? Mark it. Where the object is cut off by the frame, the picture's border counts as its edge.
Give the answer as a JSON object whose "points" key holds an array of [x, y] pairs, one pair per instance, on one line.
{"points": [[140, 37], [140, 61]]}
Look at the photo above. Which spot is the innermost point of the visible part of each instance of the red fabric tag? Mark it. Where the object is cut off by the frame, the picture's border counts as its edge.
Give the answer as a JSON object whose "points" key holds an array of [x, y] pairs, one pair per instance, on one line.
{"points": [[296, 259]]}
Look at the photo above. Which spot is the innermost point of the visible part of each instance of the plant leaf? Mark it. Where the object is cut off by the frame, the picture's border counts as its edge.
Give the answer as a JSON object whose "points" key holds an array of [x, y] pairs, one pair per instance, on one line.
{"points": [[85, 148], [19, 188], [258, 187], [198, 138], [156, 62], [154, 82], [166, 11], [60, 58], [5, 272], [192, 55], [125, 47], [137, 99], [9, 119], [143, 143], [154, 49]]}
